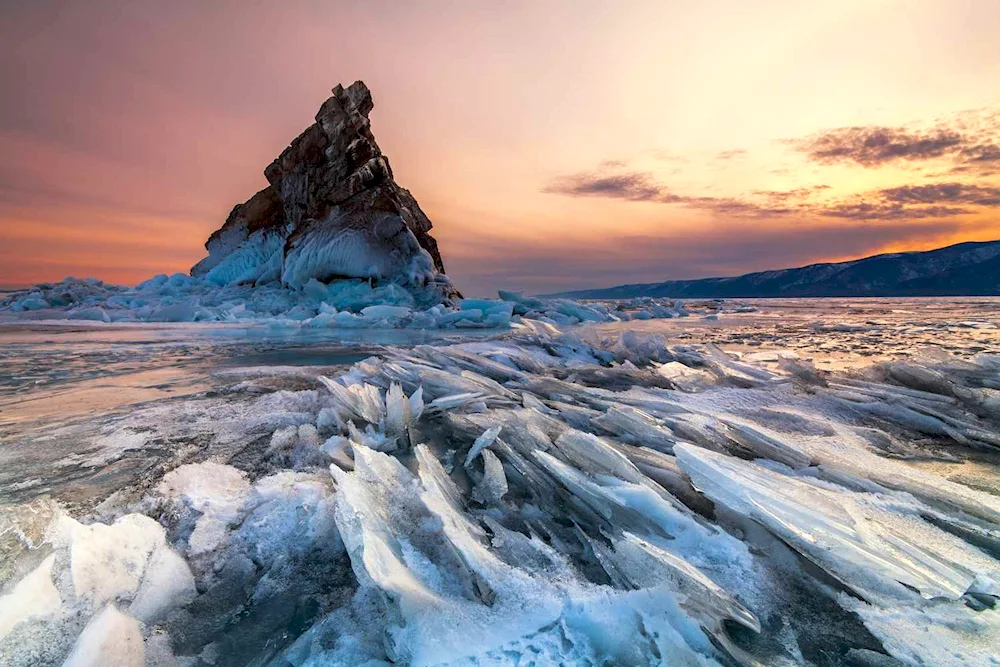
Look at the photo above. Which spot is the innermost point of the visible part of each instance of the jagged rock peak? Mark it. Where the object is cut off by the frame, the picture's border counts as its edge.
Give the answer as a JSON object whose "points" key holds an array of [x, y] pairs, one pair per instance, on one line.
{"points": [[331, 210]]}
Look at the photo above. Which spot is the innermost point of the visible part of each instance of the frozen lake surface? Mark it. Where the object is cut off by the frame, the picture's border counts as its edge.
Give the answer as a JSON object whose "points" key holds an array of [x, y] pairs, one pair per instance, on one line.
{"points": [[809, 481]]}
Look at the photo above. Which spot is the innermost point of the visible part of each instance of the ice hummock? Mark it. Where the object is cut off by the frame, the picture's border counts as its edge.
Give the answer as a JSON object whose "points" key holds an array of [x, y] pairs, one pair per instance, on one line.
{"points": [[357, 303]]}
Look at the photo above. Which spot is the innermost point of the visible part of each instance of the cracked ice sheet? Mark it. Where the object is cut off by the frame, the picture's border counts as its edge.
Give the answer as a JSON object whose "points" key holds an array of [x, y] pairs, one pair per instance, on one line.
{"points": [[590, 432]]}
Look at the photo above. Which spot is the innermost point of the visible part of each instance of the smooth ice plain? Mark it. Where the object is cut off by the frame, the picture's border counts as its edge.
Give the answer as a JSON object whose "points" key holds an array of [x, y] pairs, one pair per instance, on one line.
{"points": [[776, 482]]}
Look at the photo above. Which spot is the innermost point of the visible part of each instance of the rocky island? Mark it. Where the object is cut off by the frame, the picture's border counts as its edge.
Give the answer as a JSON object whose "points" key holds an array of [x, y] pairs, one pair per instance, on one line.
{"points": [[331, 210]]}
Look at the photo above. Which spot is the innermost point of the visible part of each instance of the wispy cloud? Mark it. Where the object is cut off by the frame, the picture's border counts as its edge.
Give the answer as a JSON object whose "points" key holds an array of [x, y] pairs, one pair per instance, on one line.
{"points": [[968, 140], [731, 154], [982, 153], [960, 193], [637, 186], [935, 200], [875, 146], [628, 186]]}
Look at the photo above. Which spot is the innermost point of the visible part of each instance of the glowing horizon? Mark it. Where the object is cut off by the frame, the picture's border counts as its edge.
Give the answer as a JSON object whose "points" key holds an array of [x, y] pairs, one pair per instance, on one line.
{"points": [[558, 146]]}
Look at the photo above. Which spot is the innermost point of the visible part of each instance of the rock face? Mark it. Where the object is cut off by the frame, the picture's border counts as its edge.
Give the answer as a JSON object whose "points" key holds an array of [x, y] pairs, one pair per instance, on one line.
{"points": [[332, 210]]}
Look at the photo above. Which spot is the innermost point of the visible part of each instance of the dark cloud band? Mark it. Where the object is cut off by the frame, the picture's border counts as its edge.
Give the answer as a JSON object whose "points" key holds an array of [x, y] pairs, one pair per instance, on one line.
{"points": [[935, 200], [970, 139], [874, 146]]}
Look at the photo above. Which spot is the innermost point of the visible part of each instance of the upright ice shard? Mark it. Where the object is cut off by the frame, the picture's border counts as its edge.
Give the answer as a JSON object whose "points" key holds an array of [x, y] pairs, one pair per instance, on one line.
{"points": [[332, 210]]}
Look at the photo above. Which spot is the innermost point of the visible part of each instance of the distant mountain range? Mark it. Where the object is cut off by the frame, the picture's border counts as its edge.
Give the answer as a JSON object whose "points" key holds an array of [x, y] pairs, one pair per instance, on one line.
{"points": [[964, 269]]}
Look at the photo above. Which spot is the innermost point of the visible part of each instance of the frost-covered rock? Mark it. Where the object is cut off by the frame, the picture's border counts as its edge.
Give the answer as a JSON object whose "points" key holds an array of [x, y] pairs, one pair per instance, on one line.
{"points": [[331, 210]]}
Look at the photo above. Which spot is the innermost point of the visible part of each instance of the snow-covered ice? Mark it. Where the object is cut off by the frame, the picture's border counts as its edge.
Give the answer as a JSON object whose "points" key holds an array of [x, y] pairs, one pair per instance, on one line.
{"points": [[222, 296]]}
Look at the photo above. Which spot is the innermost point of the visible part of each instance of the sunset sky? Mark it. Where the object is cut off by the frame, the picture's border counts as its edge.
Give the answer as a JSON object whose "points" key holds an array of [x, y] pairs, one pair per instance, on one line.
{"points": [[555, 145]]}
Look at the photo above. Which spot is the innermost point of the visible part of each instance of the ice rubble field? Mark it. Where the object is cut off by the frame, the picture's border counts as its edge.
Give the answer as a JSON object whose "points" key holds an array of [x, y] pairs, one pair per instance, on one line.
{"points": [[342, 304], [543, 497]]}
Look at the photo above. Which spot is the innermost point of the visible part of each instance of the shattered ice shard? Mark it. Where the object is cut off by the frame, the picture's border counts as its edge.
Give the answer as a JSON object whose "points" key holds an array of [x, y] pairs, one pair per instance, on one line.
{"points": [[860, 538]]}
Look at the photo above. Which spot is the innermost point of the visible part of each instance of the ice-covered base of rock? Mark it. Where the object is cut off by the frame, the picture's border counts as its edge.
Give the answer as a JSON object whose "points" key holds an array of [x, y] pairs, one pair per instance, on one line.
{"points": [[544, 498], [340, 304]]}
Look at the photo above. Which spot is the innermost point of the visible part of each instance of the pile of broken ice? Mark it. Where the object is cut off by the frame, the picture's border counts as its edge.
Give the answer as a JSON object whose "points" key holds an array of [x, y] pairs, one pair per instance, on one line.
{"points": [[340, 304], [547, 498]]}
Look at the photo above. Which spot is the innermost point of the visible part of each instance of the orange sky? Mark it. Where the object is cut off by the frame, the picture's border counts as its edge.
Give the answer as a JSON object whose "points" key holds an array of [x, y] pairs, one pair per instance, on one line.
{"points": [[554, 144]]}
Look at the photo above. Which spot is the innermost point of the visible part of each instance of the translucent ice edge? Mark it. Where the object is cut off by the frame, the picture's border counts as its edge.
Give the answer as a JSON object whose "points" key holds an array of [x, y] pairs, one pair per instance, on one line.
{"points": [[342, 304]]}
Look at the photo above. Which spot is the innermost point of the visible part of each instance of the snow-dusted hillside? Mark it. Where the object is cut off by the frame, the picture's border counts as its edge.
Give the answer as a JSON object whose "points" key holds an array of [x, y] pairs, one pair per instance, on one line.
{"points": [[965, 269]]}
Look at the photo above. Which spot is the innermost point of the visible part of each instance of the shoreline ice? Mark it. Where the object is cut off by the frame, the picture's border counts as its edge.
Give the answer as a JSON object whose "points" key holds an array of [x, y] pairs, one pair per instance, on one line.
{"points": [[343, 304]]}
